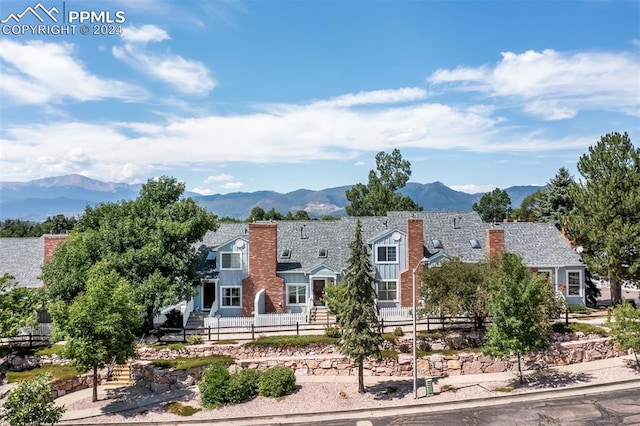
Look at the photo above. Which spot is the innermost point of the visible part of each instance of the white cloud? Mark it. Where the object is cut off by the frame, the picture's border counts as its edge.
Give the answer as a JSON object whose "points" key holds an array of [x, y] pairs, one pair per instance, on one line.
{"points": [[473, 189], [555, 85], [203, 191], [405, 94], [184, 75], [37, 72], [223, 177], [232, 185], [359, 163]]}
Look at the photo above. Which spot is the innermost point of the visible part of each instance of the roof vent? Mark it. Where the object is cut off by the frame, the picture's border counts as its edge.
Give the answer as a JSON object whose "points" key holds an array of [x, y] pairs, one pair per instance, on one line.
{"points": [[286, 254], [322, 252], [302, 236], [437, 244]]}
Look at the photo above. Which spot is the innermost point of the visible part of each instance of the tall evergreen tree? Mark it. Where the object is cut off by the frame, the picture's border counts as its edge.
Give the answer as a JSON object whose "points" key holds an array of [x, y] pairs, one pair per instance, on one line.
{"points": [[606, 221], [358, 317], [555, 202], [379, 195]]}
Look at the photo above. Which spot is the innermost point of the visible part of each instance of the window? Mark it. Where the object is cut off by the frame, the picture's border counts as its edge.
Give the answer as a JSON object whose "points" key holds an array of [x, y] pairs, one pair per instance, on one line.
{"points": [[474, 244], [573, 283], [387, 254], [231, 297], [297, 294], [437, 244], [388, 290], [286, 254], [230, 260]]}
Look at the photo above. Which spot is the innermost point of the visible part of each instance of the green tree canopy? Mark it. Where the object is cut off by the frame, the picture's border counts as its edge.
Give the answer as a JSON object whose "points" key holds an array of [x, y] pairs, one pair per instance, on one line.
{"points": [[520, 305], [555, 202], [528, 208], [18, 306], [58, 224], [148, 241], [606, 220], [357, 316], [625, 327], [379, 195], [457, 288], [101, 322], [494, 206], [31, 404]]}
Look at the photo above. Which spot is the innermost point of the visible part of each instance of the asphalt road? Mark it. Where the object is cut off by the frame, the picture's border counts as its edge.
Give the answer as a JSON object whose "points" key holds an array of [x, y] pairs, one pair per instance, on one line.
{"points": [[613, 408]]}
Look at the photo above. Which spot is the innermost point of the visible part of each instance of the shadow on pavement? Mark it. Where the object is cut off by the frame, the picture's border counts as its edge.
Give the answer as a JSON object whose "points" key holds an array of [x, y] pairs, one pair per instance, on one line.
{"points": [[388, 391], [130, 401], [549, 379]]}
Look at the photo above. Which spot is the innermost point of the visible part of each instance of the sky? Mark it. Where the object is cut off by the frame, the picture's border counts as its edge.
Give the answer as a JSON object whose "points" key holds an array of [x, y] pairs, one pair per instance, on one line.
{"points": [[234, 96]]}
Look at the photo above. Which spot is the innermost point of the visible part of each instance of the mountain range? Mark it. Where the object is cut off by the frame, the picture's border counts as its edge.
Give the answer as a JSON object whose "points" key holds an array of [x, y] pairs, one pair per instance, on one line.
{"points": [[70, 194]]}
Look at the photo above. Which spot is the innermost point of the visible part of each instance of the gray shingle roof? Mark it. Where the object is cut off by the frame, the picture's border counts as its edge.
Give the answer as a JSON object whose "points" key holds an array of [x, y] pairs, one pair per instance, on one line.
{"points": [[22, 258]]}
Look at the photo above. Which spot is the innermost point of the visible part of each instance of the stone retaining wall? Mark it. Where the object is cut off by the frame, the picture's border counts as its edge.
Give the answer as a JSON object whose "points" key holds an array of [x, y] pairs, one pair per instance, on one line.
{"points": [[326, 361]]}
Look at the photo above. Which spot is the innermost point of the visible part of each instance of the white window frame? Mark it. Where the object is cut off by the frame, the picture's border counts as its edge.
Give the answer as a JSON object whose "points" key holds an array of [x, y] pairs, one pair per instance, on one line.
{"points": [[552, 281], [395, 298], [387, 246], [223, 296], [304, 299], [230, 253], [574, 271]]}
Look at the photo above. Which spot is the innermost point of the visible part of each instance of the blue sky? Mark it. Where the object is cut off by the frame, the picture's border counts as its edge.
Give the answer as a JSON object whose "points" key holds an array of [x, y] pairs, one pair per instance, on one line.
{"points": [[280, 95]]}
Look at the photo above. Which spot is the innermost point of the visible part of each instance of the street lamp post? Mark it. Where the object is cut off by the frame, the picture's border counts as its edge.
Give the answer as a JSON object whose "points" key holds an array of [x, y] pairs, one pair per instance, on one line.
{"points": [[415, 328]]}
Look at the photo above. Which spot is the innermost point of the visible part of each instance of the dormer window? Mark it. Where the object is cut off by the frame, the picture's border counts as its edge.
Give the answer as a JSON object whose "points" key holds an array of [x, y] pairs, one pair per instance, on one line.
{"points": [[322, 253], [212, 258], [286, 254], [387, 254]]}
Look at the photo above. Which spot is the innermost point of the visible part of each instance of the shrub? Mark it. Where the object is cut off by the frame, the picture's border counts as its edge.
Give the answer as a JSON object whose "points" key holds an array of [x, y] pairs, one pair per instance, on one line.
{"points": [[179, 409], [277, 382], [398, 332], [194, 339], [30, 403], [332, 331], [579, 309], [50, 350], [170, 346], [243, 385], [183, 363], [388, 354], [174, 319], [214, 386], [292, 341]]}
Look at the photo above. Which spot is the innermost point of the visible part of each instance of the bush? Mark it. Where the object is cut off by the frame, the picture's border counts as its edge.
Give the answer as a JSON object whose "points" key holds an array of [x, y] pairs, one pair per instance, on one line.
{"points": [[174, 319], [580, 309], [30, 403], [292, 341], [213, 386], [398, 332], [243, 385], [194, 339], [332, 331], [277, 382]]}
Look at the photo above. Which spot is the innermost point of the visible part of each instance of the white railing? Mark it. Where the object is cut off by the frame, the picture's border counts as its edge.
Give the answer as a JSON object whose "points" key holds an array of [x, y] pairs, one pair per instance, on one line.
{"points": [[162, 317], [233, 324], [395, 313], [187, 311], [280, 319], [309, 307], [215, 306]]}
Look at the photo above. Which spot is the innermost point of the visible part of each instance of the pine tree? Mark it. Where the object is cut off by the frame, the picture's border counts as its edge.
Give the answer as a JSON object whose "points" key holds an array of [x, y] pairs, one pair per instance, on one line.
{"points": [[358, 318], [555, 201], [606, 221]]}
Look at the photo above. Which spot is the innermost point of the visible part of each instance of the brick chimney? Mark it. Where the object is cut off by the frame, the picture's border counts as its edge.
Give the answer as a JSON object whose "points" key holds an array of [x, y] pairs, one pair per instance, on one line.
{"points": [[263, 260], [51, 242], [415, 253], [495, 241]]}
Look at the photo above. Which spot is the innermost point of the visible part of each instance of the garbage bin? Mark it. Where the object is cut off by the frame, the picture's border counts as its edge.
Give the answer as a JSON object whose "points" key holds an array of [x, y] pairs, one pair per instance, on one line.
{"points": [[428, 383]]}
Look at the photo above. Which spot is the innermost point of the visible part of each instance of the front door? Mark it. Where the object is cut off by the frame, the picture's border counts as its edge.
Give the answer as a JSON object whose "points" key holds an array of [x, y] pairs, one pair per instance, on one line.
{"points": [[208, 295], [318, 292]]}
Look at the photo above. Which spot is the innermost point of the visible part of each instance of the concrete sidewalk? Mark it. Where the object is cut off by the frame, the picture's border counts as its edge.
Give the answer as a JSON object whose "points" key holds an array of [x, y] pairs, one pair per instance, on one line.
{"points": [[132, 397]]}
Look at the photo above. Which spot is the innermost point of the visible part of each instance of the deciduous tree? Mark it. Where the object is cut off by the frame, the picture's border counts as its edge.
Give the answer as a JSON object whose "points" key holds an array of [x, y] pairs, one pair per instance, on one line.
{"points": [[357, 316], [149, 241], [101, 322], [520, 306], [379, 195], [31, 404], [606, 220], [494, 206], [18, 306]]}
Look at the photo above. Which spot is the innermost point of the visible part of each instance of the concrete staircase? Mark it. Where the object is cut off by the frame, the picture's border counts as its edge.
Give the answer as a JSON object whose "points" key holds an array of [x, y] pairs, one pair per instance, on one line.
{"points": [[121, 375], [196, 319], [320, 315]]}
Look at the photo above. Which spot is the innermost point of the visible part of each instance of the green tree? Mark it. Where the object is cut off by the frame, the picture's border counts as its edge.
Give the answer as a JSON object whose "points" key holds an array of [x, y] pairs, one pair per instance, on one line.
{"points": [[625, 327], [100, 324], [357, 316], [457, 288], [379, 195], [18, 306], [494, 206], [148, 241], [257, 213], [527, 209], [606, 220], [592, 292], [31, 404], [555, 202], [58, 224], [520, 305]]}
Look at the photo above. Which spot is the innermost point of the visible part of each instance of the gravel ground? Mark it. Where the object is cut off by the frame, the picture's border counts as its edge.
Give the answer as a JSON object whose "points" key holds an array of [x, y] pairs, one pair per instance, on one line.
{"points": [[332, 397]]}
